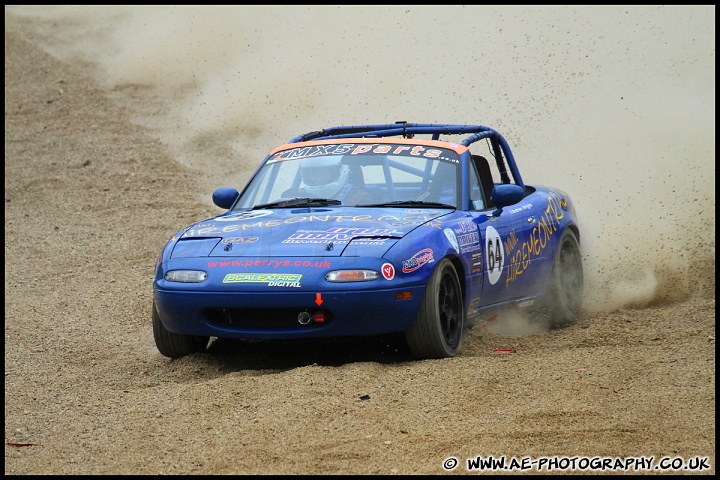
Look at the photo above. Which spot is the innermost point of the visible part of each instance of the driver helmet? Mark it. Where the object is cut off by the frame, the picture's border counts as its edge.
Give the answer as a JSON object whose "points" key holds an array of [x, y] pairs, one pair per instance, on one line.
{"points": [[323, 177]]}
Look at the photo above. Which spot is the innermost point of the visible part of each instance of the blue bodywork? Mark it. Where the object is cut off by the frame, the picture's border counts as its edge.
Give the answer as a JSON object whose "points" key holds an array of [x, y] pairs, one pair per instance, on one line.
{"points": [[266, 266]]}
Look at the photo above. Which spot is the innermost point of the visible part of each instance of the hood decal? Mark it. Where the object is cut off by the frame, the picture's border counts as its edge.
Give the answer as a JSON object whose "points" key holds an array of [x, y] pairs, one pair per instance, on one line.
{"points": [[315, 232]]}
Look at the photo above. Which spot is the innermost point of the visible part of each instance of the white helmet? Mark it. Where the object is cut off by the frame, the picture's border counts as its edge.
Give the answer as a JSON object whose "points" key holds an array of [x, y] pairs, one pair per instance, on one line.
{"points": [[323, 176]]}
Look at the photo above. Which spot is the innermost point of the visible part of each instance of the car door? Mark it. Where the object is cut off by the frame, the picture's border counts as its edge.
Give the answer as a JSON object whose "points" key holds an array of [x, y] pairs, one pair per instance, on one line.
{"points": [[502, 236]]}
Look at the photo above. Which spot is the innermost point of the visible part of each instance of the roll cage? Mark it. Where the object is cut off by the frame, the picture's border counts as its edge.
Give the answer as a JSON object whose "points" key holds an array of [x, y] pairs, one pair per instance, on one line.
{"points": [[500, 148]]}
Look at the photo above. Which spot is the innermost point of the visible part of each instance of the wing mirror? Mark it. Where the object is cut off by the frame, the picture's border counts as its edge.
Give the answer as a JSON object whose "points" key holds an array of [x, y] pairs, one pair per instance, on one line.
{"points": [[505, 195], [224, 197]]}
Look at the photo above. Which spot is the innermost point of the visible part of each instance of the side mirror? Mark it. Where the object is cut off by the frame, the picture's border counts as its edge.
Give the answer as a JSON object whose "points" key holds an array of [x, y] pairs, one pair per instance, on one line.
{"points": [[224, 197], [505, 195]]}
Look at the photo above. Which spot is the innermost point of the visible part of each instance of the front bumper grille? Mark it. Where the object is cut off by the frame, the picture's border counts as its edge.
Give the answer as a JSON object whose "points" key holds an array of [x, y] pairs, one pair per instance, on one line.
{"points": [[266, 317]]}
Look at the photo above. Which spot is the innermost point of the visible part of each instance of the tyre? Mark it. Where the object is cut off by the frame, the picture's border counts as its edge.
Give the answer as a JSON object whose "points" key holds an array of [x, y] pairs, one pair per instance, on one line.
{"points": [[437, 331], [175, 345], [563, 301]]}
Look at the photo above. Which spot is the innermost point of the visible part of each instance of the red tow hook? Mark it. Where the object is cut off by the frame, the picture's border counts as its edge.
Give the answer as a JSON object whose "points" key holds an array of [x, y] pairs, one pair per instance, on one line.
{"points": [[319, 316]]}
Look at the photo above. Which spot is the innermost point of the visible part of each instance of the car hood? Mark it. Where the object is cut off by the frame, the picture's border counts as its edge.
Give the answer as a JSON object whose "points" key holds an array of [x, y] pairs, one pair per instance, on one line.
{"points": [[302, 232]]}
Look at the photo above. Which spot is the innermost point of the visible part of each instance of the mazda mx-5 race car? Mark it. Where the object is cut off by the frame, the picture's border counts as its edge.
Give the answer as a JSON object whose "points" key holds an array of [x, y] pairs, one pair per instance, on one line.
{"points": [[371, 230]]}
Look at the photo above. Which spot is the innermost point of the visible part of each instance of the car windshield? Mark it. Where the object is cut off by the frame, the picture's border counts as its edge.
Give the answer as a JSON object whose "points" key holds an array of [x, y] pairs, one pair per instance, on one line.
{"points": [[346, 174]]}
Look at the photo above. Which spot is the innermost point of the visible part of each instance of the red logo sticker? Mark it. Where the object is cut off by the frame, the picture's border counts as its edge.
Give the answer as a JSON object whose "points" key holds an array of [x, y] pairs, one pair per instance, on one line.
{"points": [[388, 271]]}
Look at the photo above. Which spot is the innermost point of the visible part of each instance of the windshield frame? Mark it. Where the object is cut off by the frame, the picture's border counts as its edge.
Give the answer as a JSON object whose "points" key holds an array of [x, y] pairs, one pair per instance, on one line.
{"points": [[391, 172]]}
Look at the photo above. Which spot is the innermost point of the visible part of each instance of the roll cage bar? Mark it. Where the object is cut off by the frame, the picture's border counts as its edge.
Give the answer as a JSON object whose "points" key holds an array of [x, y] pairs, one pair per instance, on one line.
{"points": [[500, 147]]}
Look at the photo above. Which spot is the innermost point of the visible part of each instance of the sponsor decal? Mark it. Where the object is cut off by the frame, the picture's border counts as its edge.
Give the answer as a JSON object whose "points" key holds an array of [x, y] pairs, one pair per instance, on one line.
{"points": [[239, 240], [468, 237], [342, 235], [396, 222], [415, 211], [362, 241], [265, 262], [476, 262], [365, 149], [239, 216], [542, 236], [452, 238], [388, 271], [418, 260], [364, 231], [271, 279], [527, 206]]}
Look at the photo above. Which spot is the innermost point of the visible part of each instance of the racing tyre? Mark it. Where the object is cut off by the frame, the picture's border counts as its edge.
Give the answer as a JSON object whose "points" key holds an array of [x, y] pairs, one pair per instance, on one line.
{"points": [[563, 300], [437, 331], [175, 345]]}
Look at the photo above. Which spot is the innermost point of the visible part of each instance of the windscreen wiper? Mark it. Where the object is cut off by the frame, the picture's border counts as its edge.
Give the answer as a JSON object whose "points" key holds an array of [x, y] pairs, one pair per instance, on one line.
{"points": [[300, 202], [410, 203]]}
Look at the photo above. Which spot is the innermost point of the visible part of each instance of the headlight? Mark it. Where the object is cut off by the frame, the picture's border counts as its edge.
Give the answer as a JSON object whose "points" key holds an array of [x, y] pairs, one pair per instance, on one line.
{"points": [[186, 276], [352, 275]]}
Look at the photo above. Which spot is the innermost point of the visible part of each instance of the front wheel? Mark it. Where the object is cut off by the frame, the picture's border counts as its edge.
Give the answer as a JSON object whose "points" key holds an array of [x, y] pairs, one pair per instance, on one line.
{"points": [[563, 300], [175, 345], [438, 328]]}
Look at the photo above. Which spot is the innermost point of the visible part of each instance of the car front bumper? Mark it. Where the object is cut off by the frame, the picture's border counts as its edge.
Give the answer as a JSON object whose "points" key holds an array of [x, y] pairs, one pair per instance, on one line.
{"points": [[278, 315]]}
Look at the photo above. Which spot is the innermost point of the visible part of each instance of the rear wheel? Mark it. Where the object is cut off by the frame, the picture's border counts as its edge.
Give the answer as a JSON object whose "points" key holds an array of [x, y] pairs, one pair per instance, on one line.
{"points": [[438, 328], [563, 300], [175, 345]]}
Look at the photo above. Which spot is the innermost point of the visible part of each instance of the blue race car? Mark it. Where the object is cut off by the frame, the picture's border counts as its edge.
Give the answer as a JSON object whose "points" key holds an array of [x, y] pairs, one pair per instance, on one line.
{"points": [[371, 230]]}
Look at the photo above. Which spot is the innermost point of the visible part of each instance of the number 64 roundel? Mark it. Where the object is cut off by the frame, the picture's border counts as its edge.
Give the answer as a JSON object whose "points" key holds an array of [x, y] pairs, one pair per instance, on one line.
{"points": [[494, 255]]}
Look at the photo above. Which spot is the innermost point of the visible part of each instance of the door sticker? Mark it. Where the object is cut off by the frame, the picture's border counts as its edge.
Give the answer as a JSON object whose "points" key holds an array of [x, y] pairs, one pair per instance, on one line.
{"points": [[494, 255]]}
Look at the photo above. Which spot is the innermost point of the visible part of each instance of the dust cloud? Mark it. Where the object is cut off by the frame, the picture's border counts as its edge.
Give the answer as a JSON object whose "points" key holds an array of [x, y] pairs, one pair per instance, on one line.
{"points": [[613, 104]]}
